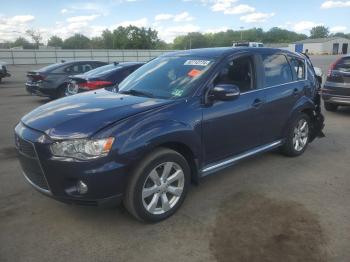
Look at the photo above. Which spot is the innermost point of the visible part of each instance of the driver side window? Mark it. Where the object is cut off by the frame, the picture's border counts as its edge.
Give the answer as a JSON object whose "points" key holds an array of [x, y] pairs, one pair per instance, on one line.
{"points": [[239, 72]]}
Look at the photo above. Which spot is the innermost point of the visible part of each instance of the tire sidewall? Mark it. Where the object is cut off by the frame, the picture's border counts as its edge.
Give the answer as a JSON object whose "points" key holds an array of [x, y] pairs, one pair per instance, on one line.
{"points": [[142, 176]]}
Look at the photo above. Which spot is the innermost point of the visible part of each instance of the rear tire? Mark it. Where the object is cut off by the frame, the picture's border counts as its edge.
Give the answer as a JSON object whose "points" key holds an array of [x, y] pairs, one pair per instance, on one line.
{"points": [[158, 186], [298, 136], [330, 107]]}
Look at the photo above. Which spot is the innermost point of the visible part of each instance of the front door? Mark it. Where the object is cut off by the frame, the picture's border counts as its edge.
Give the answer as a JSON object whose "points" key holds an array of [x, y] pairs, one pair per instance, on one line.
{"points": [[233, 127]]}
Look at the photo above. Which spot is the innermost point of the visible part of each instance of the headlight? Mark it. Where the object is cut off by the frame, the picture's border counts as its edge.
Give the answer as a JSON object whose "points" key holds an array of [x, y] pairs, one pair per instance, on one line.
{"points": [[83, 149]]}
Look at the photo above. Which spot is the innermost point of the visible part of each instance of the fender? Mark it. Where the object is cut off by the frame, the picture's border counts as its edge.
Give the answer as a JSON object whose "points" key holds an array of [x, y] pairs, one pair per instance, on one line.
{"points": [[170, 125], [303, 104]]}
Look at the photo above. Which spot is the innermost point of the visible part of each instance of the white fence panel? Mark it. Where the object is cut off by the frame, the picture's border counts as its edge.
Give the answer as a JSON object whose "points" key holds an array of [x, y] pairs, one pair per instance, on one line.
{"points": [[53, 56]]}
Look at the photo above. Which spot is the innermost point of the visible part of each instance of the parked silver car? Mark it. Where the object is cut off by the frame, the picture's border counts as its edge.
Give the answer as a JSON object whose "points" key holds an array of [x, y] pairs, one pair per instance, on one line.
{"points": [[52, 80]]}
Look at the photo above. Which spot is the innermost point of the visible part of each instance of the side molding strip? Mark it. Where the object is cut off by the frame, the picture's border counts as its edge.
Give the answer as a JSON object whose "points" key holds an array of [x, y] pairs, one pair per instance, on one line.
{"points": [[240, 157]]}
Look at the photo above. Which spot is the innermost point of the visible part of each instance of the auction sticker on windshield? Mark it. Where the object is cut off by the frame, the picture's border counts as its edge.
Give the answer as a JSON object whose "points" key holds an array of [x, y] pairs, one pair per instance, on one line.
{"points": [[197, 62]]}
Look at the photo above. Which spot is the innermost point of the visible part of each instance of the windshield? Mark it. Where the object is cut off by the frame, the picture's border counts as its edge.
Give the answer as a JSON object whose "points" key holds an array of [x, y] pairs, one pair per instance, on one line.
{"points": [[167, 77]]}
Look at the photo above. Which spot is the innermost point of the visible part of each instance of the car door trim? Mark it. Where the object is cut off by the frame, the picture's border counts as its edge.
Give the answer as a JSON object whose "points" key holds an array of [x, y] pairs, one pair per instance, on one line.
{"points": [[211, 167]]}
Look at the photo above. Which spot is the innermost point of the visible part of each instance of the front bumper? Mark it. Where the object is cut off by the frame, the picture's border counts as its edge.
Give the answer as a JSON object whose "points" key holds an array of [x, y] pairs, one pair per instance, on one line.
{"points": [[58, 178]]}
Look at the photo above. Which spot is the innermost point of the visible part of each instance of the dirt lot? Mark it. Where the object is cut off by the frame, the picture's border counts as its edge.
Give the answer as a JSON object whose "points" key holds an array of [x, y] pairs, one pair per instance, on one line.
{"points": [[268, 208]]}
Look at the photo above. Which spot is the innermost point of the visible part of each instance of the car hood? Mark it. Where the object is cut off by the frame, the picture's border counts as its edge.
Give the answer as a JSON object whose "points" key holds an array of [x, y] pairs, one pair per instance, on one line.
{"points": [[84, 114]]}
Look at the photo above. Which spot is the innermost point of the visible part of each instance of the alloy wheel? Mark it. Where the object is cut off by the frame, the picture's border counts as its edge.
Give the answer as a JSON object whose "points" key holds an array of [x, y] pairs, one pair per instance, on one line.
{"points": [[163, 188], [301, 135]]}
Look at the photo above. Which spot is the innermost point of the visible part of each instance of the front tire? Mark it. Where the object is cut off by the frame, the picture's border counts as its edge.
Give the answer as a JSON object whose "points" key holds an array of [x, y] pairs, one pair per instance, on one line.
{"points": [[158, 186], [298, 136], [330, 107]]}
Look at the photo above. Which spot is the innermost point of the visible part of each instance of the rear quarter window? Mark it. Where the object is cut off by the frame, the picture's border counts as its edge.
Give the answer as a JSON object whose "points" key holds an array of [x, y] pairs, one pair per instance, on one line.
{"points": [[298, 67], [277, 70]]}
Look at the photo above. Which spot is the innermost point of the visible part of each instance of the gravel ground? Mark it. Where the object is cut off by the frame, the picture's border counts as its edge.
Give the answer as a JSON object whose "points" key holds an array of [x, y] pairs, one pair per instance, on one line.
{"points": [[268, 208]]}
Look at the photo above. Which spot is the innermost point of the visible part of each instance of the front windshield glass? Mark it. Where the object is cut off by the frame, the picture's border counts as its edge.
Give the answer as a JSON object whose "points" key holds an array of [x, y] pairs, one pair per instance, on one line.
{"points": [[167, 77]]}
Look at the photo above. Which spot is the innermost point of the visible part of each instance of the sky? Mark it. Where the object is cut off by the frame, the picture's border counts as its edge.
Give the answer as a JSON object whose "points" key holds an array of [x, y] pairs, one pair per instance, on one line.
{"points": [[169, 17]]}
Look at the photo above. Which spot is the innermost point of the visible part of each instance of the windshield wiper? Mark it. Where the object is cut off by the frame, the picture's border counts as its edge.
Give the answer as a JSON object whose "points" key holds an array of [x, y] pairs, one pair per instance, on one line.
{"points": [[134, 92]]}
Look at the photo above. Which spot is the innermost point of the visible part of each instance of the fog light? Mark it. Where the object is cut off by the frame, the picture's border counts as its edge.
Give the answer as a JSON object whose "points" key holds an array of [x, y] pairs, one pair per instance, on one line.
{"points": [[82, 188]]}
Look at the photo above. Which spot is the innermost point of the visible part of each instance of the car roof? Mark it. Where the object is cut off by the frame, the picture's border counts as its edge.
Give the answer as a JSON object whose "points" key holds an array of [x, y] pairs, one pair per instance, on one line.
{"points": [[225, 51], [123, 64]]}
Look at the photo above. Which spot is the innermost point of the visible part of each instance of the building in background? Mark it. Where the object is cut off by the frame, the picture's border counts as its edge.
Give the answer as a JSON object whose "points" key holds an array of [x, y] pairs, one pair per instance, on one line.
{"points": [[322, 46]]}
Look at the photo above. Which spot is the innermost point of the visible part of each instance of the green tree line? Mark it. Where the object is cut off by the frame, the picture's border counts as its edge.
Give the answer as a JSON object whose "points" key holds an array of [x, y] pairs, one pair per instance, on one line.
{"points": [[132, 37]]}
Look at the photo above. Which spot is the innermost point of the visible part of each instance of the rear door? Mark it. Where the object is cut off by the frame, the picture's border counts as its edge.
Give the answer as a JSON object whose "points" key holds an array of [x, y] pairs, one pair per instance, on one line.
{"points": [[284, 87]]}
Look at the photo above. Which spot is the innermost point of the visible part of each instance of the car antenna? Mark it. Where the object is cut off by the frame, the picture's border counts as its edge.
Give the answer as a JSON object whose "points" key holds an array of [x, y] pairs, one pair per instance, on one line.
{"points": [[116, 63], [63, 61]]}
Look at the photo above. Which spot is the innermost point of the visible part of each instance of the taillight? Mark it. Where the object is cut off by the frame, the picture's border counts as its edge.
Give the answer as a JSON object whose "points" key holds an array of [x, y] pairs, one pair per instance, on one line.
{"points": [[332, 67], [37, 77], [90, 85]]}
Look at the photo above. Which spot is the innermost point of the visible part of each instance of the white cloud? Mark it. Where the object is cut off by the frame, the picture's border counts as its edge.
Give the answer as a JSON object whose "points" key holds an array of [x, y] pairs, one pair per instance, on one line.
{"points": [[21, 19], [169, 33], [216, 30], [304, 25], [15, 26], [82, 18], [163, 17], [222, 5], [183, 17], [335, 4], [239, 9], [64, 10], [256, 17], [143, 22], [338, 29], [230, 7]]}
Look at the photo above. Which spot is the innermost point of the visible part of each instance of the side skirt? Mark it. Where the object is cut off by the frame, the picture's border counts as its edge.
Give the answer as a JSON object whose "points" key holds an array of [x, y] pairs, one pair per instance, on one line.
{"points": [[211, 168]]}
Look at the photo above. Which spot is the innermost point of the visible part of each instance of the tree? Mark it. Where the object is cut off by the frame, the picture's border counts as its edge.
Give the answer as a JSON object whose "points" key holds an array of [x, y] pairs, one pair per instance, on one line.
{"points": [[319, 32], [341, 35], [191, 40], [21, 41], [35, 35], [77, 41], [55, 41], [97, 43]]}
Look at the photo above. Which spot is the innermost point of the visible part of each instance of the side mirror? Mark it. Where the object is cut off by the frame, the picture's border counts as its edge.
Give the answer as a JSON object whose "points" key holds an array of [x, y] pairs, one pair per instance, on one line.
{"points": [[225, 92]]}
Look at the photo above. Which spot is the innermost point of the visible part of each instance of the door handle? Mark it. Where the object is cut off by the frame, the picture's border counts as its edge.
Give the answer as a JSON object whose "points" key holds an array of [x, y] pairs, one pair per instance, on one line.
{"points": [[257, 103]]}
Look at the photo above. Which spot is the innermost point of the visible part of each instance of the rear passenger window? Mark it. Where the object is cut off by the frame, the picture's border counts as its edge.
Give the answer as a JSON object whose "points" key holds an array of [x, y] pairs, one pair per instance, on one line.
{"points": [[298, 65], [277, 70]]}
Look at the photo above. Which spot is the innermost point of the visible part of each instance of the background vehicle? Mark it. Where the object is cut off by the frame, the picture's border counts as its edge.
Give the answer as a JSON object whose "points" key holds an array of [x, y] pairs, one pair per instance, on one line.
{"points": [[178, 118], [336, 90], [248, 44], [52, 80], [104, 76], [3, 71]]}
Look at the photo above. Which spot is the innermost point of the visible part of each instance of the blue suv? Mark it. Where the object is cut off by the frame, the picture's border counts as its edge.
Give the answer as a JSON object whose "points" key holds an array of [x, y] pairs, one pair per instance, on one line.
{"points": [[176, 119]]}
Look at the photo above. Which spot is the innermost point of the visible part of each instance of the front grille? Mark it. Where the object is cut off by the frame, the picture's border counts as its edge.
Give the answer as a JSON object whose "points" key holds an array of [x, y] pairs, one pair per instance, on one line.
{"points": [[30, 163]]}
